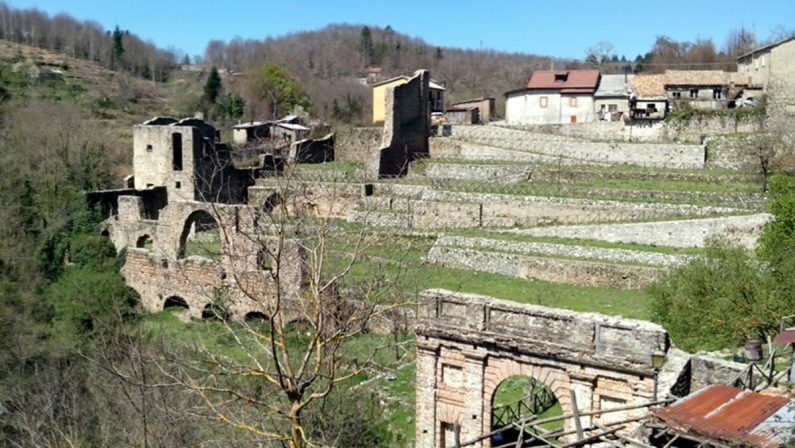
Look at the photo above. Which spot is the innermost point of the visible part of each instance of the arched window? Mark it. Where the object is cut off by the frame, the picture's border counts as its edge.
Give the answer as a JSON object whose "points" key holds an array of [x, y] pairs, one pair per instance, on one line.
{"points": [[144, 242]]}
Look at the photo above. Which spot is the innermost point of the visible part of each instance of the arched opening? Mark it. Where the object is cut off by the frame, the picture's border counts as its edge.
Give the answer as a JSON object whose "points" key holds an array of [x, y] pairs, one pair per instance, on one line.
{"points": [[214, 312], [175, 303], [519, 397], [200, 237], [144, 242], [105, 233], [256, 316]]}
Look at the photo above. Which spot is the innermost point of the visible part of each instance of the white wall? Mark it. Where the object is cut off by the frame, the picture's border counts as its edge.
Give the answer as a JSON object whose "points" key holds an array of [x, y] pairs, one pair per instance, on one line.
{"points": [[525, 108]]}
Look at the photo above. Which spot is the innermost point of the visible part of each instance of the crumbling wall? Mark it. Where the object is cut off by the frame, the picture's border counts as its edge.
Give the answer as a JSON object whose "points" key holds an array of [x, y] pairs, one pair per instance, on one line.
{"points": [[312, 150], [357, 144], [406, 127]]}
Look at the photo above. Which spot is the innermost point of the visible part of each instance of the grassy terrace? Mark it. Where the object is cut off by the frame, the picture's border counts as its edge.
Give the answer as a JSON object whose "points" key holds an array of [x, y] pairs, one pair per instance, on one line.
{"points": [[399, 259], [636, 191], [506, 236]]}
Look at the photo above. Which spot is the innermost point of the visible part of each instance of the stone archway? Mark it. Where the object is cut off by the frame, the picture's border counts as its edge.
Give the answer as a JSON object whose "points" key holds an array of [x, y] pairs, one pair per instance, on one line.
{"points": [[467, 345], [200, 236]]}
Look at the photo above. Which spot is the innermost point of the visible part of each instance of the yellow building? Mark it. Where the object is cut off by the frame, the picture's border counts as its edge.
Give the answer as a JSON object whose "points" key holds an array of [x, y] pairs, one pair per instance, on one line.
{"points": [[436, 99]]}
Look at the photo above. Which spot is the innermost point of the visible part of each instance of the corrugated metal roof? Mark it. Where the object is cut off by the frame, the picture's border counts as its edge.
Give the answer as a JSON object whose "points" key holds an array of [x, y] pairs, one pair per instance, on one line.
{"points": [[723, 413], [564, 79], [785, 337]]}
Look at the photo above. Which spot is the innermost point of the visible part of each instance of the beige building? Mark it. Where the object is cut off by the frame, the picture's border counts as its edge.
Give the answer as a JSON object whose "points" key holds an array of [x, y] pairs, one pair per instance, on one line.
{"points": [[436, 96], [769, 62], [772, 71]]}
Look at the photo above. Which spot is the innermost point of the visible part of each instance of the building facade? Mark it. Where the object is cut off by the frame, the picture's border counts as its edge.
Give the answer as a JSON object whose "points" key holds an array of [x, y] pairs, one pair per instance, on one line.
{"points": [[554, 97]]}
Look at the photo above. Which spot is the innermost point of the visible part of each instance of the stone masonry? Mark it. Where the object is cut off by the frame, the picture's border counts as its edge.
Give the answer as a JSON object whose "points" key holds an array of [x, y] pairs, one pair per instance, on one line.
{"points": [[467, 345]]}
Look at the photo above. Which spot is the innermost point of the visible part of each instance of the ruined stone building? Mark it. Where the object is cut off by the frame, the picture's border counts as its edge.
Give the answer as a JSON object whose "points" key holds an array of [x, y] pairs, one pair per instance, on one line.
{"points": [[196, 228], [187, 198]]}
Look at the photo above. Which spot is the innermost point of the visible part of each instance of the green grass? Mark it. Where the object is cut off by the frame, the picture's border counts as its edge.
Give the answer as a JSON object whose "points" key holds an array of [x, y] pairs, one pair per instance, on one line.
{"points": [[349, 168], [506, 236], [207, 245], [399, 263]]}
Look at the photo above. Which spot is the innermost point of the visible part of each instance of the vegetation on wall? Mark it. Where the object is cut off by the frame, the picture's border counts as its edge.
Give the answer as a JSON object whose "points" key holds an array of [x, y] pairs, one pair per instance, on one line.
{"points": [[726, 295]]}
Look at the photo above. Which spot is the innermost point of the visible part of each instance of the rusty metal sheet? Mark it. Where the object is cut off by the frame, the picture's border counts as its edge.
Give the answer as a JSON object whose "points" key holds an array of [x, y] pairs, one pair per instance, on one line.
{"points": [[785, 337], [723, 413]]}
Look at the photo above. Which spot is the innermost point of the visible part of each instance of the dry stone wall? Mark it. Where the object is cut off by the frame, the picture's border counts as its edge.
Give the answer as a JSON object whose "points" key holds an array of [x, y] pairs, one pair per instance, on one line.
{"points": [[496, 143], [690, 131], [604, 268], [742, 230]]}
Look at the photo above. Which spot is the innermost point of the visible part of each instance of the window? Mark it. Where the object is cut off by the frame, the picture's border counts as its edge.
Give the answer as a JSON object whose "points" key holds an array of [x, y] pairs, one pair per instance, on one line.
{"points": [[717, 94], [612, 108], [177, 185], [561, 77], [149, 148], [573, 102], [543, 101], [176, 149], [693, 93], [762, 61], [676, 95]]}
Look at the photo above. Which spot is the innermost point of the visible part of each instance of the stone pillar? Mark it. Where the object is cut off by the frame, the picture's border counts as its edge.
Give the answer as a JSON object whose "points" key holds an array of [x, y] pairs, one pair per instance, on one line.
{"points": [[427, 358], [474, 423], [582, 383]]}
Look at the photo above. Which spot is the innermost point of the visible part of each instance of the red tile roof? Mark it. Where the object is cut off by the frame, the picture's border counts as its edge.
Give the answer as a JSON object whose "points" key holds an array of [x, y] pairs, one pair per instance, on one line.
{"points": [[785, 337], [567, 81], [723, 413]]}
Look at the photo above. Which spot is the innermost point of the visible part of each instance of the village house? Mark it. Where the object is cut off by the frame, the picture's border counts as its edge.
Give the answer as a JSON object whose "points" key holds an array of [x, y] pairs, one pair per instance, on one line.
{"points": [[435, 100], [771, 62], [647, 98], [486, 108], [554, 96], [611, 99], [704, 89]]}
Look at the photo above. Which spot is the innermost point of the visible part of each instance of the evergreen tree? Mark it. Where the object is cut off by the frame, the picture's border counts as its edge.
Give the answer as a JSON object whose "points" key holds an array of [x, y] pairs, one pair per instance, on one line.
{"points": [[117, 50], [367, 45], [212, 88]]}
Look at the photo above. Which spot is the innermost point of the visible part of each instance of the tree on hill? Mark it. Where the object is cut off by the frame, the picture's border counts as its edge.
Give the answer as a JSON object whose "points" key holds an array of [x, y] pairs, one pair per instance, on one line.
{"points": [[273, 91], [211, 91], [117, 50]]}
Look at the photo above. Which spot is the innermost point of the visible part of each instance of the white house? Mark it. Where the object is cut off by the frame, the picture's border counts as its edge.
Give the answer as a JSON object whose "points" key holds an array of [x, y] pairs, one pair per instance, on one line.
{"points": [[554, 96]]}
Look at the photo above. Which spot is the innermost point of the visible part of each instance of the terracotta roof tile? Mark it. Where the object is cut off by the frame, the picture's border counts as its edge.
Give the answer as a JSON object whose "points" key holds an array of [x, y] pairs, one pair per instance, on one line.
{"points": [[564, 79]]}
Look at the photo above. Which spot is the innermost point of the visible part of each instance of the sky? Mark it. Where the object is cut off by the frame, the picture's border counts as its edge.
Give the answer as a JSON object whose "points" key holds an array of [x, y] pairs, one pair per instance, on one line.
{"points": [[557, 28]]}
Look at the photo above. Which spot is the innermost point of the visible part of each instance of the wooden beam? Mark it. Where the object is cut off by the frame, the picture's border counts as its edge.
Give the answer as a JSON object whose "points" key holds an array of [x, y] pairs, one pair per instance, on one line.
{"points": [[625, 438], [591, 438], [576, 414]]}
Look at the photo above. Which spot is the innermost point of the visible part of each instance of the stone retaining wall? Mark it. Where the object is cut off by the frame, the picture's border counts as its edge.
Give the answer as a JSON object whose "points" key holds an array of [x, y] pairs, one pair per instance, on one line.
{"points": [[522, 145], [740, 230], [691, 131], [517, 260]]}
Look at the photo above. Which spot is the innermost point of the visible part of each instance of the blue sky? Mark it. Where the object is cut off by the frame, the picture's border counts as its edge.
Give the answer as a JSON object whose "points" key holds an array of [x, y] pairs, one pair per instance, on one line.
{"points": [[553, 27]]}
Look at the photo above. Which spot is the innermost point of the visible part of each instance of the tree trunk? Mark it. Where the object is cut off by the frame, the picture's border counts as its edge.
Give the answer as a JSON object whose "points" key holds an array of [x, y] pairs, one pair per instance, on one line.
{"points": [[296, 431]]}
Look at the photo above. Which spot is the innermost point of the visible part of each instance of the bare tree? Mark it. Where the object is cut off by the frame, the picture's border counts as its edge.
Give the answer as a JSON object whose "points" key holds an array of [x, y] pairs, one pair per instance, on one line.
{"points": [[314, 288]]}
